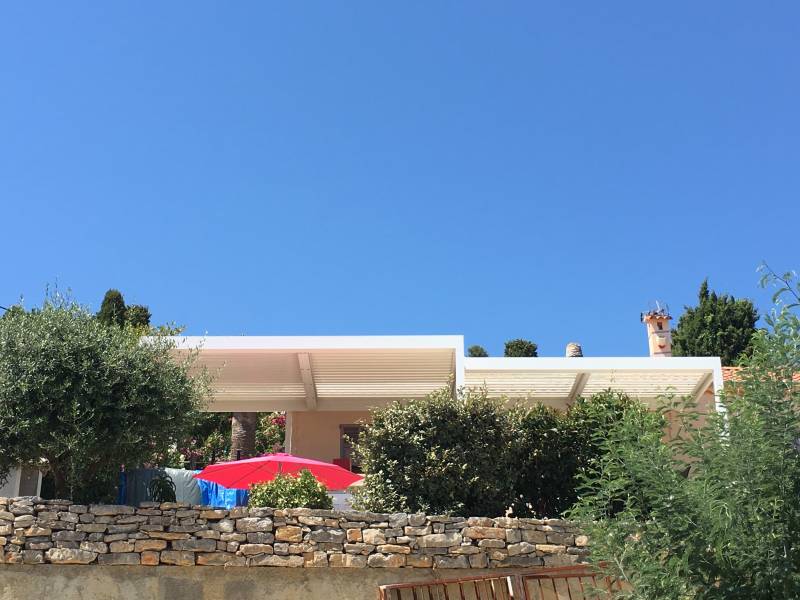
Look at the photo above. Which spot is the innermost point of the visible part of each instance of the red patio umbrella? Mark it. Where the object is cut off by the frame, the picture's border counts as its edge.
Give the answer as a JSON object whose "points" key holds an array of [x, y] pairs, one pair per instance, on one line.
{"points": [[239, 474]]}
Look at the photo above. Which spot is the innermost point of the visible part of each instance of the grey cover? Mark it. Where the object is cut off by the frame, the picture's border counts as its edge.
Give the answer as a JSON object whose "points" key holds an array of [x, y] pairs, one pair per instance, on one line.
{"points": [[186, 487]]}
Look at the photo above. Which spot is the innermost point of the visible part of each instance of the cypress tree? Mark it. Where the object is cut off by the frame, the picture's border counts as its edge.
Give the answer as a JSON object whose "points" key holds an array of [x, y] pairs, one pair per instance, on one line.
{"points": [[112, 310]]}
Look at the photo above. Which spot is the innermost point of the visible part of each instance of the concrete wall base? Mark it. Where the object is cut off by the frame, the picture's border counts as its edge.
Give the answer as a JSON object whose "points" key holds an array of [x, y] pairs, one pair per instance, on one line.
{"points": [[93, 582]]}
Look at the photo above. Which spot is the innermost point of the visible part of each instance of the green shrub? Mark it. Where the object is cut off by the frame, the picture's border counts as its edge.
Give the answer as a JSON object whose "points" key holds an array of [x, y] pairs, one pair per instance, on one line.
{"points": [[475, 456], [715, 512], [290, 491], [438, 455]]}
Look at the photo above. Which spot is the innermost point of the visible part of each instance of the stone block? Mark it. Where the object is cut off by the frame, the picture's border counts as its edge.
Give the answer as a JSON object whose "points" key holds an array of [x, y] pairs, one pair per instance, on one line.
{"points": [[534, 536], [149, 558], [316, 559], [419, 560], [411, 530], [149, 545], [181, 559], [223, 526], [373, 536], [194, 545], [70, 556], [253, 549], [221, 559], [393, 549], [521, 548], [386, 560], [450, 562], [334, 536], [288, 533], [523, 560], [417, 520], [398, 520], [272, 560], [480, 533], [111, 510], [478, 561], [99, 547], [440, 540], [69, 536], [121, 558], [121, 547], [249, 524]]}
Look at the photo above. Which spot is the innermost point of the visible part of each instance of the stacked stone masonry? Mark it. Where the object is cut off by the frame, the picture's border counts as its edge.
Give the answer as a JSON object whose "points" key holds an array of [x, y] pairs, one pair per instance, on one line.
{"points": [[36, 531]]}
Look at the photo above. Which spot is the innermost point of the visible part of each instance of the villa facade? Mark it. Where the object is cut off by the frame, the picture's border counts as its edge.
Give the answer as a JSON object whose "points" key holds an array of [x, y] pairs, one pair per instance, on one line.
{"points": [[328, 385]]}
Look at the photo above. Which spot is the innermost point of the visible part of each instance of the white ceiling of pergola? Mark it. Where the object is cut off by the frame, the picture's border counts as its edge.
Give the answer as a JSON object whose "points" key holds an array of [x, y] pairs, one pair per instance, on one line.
{"points": [[562, 380], [253, 373], [323, 373]]}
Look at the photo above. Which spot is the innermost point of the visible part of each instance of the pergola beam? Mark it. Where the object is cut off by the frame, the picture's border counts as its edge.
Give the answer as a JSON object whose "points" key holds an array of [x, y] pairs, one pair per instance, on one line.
{"points": [[581, 379], [307, 375], [702, 385]]}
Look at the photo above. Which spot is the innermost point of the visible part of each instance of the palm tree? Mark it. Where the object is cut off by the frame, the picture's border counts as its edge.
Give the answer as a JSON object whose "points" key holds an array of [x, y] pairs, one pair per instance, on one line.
{"points": [[243, 434]]}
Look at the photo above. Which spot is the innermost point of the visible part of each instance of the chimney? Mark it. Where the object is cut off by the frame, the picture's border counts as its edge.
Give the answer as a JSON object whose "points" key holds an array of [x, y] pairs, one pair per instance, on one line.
{"points": [[659, 338], [574, 350]]}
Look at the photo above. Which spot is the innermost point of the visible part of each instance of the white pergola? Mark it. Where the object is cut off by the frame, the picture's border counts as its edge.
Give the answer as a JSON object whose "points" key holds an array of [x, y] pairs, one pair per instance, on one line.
{"points": [[562, 380], [326, 373], [329, 373]]}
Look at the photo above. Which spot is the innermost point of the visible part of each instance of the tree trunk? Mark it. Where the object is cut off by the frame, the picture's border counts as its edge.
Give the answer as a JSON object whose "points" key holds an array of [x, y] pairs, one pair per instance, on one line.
{"points": [[243, 434]]}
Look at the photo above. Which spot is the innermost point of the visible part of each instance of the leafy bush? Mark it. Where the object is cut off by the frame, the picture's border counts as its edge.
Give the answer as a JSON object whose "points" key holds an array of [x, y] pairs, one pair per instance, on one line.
{"points": [[475, 456], [437, 455], [713, 513], [290, 491]]}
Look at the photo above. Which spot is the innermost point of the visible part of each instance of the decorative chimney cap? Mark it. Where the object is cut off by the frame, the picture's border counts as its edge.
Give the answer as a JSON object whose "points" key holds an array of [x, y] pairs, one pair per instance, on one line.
{"points": [[574, 350], [659, 337], [657, 313]]}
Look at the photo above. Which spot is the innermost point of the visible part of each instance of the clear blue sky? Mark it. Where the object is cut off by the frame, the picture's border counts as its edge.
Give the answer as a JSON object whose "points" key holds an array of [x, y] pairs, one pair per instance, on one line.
{"points": [[538, 170]]}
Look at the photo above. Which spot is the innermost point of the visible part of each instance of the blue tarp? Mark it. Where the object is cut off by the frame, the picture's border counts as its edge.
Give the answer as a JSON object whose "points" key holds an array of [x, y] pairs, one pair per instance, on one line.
{"points": [[217, 496], [133, 489]]}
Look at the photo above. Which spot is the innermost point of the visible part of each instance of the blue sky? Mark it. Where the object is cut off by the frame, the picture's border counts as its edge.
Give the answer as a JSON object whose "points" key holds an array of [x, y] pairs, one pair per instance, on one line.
{"points": [[538, 170]]}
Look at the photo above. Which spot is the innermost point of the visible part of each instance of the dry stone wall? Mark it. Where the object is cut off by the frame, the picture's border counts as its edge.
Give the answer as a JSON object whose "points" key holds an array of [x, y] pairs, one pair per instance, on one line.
{"points": [[35, 531]]}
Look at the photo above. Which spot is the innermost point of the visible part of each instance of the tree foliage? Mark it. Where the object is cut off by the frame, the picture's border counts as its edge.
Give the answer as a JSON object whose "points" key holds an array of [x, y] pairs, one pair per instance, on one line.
{"points": [[477, 351], [290, 491], [720, 325], [80, 399], [520, 347], [712, 513], [138, 315]]}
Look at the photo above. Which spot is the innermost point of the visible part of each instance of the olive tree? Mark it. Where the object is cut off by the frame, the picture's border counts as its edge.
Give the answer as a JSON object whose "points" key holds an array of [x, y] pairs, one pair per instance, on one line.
{"points": [[80, 399]]}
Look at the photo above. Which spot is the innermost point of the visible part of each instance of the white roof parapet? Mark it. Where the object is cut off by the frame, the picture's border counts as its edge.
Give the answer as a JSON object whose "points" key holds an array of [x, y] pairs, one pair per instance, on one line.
{"points": [[320, 342]]}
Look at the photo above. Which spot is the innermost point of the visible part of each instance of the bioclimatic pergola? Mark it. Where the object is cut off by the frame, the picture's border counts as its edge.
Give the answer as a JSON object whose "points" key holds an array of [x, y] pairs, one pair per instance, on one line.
{"points": [[335, 373], [560, 381]]}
